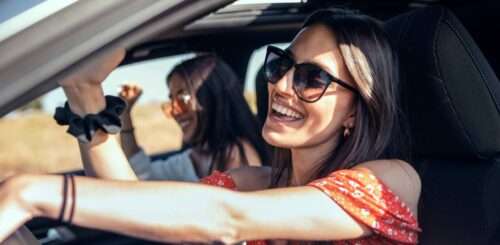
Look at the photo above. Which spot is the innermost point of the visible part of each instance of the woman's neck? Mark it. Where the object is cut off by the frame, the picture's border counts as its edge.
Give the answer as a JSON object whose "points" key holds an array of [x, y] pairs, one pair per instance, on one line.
{"points": [[306, 161]]}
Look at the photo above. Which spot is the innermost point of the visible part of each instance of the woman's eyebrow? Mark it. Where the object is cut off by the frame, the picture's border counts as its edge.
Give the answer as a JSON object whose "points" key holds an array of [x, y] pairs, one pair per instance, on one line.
{"points": [[176, 92], [290, 52], [322, 66]]}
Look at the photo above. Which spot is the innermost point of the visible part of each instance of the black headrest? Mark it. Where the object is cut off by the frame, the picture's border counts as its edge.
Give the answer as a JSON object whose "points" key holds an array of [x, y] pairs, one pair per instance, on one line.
{"points": [[451, 93]]}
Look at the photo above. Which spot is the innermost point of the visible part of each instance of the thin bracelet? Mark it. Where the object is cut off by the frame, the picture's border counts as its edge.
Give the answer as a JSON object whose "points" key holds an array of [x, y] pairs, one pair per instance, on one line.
{"points": [[128, 130], [64, 200], [73, 199]]}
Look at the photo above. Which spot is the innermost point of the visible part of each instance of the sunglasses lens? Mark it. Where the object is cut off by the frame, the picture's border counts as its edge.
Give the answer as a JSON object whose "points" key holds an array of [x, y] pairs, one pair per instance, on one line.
{"points": [[276, 65], [178, 105], [184, 102], [310, 81]]}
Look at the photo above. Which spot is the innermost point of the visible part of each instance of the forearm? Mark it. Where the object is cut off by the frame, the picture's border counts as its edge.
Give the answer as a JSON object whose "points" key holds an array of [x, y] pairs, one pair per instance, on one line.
{"points": [[163, 211], [127, 136], [102, 157], [179, 211]]}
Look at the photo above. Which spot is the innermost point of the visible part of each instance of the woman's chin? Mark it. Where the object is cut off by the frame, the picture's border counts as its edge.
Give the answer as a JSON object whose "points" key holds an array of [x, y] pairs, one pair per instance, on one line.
{"points": [[187, 140], [278, 139]]}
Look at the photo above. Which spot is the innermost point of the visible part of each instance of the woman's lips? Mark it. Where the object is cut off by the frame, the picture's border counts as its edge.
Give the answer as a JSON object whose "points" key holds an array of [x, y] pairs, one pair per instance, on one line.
{"points": [[285, 111], [280, 113], [183, 122]]}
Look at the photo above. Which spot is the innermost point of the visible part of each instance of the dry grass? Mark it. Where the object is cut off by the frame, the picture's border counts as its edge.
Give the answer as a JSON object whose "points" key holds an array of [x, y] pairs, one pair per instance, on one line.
{"points": [[34, 143]]}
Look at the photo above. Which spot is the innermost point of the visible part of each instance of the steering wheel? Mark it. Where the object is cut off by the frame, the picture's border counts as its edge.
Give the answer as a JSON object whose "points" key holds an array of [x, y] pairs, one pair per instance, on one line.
{"points": [[21, 237]]}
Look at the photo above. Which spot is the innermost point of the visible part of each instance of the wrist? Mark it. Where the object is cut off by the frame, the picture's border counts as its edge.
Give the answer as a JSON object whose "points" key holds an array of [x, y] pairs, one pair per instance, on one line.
{"points": [[127, 130], [125, 114], [85, 99], [126, 119], [20, 188], [41, 195]]}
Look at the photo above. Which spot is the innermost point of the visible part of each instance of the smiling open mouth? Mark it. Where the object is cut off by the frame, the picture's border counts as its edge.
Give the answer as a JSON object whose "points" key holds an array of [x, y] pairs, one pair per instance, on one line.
{"points": [[284, 113], [184, 123]]}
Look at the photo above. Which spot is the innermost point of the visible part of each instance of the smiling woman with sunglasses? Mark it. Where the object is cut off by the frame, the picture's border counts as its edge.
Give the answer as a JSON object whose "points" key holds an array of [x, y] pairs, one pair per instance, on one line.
{"points": [[336, 177], [204, 91]]}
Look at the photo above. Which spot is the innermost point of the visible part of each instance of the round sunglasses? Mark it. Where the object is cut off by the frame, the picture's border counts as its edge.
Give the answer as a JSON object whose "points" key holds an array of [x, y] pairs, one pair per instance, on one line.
{"points": [[309, 80], [179, 104]]}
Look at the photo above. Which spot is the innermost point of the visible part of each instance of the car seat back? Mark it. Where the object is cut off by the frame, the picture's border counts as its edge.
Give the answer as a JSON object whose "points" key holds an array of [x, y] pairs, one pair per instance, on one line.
{"points": [[452, 98]]}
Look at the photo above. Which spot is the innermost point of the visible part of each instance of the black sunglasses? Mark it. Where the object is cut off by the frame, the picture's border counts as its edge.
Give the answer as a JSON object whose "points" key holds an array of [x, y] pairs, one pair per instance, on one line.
{"points": [[309, 80]]}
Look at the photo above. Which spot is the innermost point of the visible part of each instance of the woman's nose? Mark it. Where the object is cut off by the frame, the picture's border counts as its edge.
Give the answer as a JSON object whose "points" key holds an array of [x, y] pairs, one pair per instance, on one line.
{"points": [[172, 109], [285, 84], [177, 108]]}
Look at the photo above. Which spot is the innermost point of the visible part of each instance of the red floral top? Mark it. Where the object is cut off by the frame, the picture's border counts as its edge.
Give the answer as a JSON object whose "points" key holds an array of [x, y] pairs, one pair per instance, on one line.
{"points": [[362, 196]]}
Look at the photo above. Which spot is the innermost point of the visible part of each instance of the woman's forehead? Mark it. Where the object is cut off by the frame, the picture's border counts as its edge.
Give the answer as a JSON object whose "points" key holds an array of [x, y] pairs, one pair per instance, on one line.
{"points": [[313, 40], [177, 82], [316, 44]]}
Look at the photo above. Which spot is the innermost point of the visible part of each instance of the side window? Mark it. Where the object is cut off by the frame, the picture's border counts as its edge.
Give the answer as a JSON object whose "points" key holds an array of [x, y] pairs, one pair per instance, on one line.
{"points": [[33, 142], [255, 84]]}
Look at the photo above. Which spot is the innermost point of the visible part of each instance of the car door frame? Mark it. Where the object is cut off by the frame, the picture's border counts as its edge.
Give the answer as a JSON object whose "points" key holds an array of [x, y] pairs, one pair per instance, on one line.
{"points": [[35, 58]]}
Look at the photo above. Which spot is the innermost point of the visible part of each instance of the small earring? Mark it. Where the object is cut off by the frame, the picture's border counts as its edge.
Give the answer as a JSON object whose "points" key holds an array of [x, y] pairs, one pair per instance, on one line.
{"points": [[347, 132]]}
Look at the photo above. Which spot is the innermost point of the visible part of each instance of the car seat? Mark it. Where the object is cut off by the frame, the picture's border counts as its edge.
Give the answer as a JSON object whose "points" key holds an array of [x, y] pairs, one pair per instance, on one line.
{"points": [[452, 98]]}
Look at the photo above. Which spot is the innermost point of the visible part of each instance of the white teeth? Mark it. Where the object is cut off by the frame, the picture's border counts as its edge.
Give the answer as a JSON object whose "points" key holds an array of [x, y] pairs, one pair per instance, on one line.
{"points": [[183, 123], [285, 111]]}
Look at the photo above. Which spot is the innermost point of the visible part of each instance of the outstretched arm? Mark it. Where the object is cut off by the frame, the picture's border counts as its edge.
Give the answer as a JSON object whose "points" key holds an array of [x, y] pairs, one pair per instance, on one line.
{"points": [[171, 211], [179, 211]]}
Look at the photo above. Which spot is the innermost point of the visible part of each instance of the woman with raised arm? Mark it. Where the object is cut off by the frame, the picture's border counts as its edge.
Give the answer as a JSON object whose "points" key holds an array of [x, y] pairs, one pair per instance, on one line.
{"points": [[333, 112], [219, 130]]}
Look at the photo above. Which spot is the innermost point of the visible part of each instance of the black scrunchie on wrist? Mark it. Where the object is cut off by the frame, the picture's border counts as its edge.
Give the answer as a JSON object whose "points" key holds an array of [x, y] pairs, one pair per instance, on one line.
{"points": [[84, 128]]}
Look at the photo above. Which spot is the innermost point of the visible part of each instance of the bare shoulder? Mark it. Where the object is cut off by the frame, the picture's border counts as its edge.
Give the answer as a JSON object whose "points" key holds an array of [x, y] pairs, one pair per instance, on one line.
{"points": [[399, 176], [249, 178]]}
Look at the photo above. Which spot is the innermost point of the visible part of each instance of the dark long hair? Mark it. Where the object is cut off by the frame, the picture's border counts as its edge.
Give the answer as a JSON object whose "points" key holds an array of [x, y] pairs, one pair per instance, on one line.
{"points": [[224, 118], [380, 129]]}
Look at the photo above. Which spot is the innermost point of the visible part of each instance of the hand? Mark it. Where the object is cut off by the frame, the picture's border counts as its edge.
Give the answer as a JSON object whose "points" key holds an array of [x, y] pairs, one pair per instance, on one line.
{"points": [[130, 93], [23, 236], [83, 88], [14, 210]]}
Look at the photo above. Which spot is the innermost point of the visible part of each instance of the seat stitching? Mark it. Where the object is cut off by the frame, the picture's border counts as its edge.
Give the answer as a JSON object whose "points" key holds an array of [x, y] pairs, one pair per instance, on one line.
{"points": [[475, 63], [466, 133], [443, 84]]}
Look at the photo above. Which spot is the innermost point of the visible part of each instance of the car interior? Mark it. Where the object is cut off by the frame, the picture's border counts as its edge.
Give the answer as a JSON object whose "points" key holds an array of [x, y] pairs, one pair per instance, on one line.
{"points": [[449, 63]]}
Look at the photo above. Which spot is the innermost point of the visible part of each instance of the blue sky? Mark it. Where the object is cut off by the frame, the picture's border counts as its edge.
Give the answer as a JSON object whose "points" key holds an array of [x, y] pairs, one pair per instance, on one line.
{"points": [[10, 8]]}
